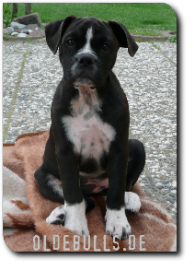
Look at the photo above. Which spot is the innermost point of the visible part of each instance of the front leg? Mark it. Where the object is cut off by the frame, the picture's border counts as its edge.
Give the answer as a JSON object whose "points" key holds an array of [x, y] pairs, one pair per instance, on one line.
{"points": [[74, 204], [116, 220]]}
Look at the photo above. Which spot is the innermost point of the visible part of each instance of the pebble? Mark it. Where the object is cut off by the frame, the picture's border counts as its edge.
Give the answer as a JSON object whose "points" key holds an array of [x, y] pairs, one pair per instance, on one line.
{"points": [[173, 193], [167, 185], [165, 182], [156, 180], [14, 34], [159, 185], [10, 30], [174, 184], [17, 25], [22, 35]]}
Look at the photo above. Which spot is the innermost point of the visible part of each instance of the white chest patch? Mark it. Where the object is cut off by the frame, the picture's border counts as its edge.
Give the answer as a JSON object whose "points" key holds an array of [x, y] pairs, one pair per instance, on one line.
{"points": [[88, 133]]}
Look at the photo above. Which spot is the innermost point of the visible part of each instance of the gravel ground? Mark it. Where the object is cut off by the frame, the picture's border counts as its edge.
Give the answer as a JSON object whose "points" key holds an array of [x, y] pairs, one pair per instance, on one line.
{"points": [[30, 76]]}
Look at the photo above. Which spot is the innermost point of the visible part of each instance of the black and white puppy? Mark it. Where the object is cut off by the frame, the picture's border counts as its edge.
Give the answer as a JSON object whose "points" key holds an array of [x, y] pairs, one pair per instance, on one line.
{"points": [[88, 150]]}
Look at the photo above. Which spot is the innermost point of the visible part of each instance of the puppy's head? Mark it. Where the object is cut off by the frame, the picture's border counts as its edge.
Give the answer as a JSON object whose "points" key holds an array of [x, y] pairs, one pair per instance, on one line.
{"points": [[88, 48]]}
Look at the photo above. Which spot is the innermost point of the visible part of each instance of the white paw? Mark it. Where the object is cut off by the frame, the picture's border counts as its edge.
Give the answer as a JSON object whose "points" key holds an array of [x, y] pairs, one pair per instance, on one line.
{"points": [[57, 216], [75, 218], [132, 202], [117, 223]]}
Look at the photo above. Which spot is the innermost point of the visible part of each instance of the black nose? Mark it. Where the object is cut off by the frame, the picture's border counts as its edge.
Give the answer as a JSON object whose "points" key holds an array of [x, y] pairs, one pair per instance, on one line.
{"points": [[86, 59]]}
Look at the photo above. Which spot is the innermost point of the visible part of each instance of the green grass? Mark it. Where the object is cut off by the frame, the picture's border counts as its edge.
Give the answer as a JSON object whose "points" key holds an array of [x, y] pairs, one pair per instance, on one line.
{"points": [[144, 19]]}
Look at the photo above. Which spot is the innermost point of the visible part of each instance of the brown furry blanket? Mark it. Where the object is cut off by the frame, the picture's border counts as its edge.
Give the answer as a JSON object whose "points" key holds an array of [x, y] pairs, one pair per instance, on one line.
{"points": [[25, 212]]}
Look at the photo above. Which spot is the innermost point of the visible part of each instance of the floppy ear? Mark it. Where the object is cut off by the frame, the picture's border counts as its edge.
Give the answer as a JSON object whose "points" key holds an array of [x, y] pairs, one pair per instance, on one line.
{"points": [[55, 30], [123, 36]]}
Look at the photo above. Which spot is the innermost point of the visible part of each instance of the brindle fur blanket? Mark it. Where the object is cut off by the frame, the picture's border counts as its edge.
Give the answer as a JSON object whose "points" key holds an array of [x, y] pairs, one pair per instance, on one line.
{"points": [[25, 211]]}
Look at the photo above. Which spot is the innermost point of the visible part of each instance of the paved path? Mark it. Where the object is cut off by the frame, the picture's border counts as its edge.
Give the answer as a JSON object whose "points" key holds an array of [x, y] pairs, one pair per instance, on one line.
{"points": [[30, 76]]}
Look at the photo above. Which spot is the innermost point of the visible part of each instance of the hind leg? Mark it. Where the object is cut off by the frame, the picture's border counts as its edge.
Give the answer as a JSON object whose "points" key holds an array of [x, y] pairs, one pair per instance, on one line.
{"points": [[136, 164], [49, 186]]}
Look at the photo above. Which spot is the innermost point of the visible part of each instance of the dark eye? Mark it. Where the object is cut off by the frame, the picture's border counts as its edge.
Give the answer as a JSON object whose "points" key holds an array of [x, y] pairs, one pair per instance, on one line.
{"points": [[70, 42], [105, 46]]}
